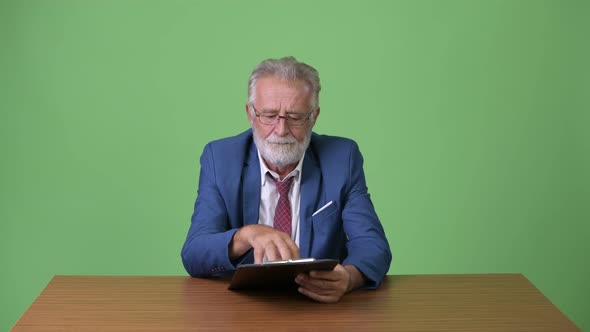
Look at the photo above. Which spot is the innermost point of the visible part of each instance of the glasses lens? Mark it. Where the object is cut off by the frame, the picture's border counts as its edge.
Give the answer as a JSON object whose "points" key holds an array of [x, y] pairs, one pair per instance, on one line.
{"points": [[268, 119], [294, 120]]}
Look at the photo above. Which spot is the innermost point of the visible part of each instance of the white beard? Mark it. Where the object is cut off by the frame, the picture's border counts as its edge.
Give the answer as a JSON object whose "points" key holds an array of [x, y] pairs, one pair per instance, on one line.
{"points": [[281, 151]]}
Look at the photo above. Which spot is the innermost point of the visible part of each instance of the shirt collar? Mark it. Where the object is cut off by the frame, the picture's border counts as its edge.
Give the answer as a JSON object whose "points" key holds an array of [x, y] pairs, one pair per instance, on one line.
{"points": [[296, 173]]}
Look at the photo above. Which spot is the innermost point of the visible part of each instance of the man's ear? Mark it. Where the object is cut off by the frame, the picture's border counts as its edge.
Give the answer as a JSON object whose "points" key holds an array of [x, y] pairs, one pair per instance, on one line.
{"points": [[249, 115], [317, 114]]}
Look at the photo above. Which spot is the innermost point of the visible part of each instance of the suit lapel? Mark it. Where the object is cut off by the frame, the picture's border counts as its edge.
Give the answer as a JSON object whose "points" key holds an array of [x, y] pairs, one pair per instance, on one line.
{"points": [[251, 187], [310, 185]]}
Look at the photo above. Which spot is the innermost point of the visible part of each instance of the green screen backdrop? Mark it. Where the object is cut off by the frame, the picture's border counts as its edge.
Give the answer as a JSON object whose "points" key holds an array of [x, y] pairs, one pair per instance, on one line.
{"points": [[473, 118]]}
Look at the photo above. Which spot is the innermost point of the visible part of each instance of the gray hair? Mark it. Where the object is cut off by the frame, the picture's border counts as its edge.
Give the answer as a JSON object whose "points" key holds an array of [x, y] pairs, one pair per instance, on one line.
{"points": [[287, 68]]}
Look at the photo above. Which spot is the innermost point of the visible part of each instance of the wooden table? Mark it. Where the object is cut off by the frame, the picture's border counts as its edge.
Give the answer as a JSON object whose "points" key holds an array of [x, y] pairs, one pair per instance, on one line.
{"points": [[496, 302]]}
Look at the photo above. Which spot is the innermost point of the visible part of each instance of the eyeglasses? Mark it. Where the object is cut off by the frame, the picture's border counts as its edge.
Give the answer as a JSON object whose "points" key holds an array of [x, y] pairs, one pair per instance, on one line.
{"points": [[292, 119]]}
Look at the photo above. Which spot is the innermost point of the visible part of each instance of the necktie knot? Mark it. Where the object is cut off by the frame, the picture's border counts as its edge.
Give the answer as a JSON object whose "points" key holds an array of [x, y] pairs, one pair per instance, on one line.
{"points": [[283, 187]]}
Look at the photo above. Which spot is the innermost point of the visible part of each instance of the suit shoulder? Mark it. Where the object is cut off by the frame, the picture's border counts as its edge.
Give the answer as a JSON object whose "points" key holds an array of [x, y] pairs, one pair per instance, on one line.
{"points": [[331, 143], [230, 150], [333, 152]]}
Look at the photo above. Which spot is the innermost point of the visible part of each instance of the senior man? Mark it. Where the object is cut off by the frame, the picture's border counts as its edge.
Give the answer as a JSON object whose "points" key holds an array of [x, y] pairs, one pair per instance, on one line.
{"points": [[280, 191]]}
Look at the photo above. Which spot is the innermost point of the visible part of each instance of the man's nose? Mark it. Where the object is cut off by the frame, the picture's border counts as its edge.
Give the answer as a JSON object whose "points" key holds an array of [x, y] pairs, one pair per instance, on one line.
{"points": [[281, 128]]}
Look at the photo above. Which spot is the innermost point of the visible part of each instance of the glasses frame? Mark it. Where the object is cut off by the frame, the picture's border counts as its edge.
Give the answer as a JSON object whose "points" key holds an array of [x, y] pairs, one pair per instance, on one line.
{"points": [[285, 117]]}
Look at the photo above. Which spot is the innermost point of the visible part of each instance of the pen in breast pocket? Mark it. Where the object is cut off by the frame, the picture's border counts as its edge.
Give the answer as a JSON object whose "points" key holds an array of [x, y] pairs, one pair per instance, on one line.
{"points": [[323, 207]]}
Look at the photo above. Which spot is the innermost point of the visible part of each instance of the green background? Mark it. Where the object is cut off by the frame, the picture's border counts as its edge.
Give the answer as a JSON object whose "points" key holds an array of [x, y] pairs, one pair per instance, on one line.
{"points": [[473, 118]]}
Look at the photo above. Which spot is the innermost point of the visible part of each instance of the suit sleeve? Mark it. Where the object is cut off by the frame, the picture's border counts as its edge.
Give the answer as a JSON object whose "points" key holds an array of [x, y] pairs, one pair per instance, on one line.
{"points": [[205, 251], [367, 245]]}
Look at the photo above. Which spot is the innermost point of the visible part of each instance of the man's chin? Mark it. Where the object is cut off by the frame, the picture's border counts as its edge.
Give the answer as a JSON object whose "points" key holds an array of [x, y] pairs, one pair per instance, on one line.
{"points": [[280, 154], [281, 159]]}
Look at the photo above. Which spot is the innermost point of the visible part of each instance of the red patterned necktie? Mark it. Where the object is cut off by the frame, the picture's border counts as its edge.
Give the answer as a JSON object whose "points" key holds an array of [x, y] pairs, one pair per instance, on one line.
{"points": [[282, 220]]}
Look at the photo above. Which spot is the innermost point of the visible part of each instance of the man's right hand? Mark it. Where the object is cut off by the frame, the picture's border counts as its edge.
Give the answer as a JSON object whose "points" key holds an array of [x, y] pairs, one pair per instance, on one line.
{"points": [[266, 241]]}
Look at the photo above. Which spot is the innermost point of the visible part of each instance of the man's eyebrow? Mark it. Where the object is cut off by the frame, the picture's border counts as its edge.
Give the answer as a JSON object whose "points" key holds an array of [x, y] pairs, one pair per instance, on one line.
{"points": [[269, 111], [278, 111]]}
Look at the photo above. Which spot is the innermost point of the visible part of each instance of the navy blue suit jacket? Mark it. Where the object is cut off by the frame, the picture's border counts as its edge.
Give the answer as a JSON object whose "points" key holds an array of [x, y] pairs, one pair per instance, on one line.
{"points": [[229, 198]]}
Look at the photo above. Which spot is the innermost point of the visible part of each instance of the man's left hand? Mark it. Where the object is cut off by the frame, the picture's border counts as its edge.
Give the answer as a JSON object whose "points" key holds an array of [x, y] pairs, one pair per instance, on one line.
{"points": [[329, 286]]}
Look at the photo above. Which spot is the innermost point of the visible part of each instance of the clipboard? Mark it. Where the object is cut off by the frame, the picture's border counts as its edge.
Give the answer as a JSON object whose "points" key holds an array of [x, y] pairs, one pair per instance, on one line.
{"points": [[276, 274]]}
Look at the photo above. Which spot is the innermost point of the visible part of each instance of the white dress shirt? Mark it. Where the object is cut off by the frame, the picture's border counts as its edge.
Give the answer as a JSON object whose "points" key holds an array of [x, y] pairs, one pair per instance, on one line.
{"points": [[269, 196]]}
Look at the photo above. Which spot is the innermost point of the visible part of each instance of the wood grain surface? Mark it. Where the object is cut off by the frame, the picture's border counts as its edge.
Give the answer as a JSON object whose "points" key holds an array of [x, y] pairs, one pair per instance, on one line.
{"points": [[494, 302]]}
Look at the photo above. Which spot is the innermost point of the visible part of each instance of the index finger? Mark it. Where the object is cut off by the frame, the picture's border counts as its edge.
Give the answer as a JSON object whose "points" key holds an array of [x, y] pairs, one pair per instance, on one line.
{"points": [[258, 254], [287, 248]]}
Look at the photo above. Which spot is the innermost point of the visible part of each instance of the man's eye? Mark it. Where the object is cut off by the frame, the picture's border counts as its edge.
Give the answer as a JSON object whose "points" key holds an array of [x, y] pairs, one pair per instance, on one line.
{"points": [[296, 117], [269, 116]]}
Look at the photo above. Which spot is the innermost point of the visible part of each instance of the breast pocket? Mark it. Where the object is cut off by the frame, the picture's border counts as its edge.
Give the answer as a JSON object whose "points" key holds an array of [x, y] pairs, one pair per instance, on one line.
{"points": [[325, 212], [328, 239]]}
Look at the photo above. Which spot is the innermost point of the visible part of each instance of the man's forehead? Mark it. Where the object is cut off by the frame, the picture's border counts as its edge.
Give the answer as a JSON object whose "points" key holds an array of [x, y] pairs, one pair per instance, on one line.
{"points": [[275, 82], [275, 94]]}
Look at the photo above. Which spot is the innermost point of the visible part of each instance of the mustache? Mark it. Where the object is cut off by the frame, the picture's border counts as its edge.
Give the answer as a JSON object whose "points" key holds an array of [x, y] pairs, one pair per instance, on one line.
{"points": [[281, 140]]}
